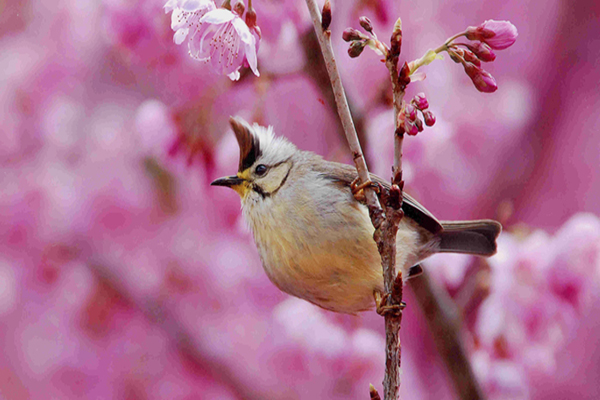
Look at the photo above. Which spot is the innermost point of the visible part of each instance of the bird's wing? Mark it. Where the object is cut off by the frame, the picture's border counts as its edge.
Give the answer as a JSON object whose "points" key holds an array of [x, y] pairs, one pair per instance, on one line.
{"points": [[345, 174]]}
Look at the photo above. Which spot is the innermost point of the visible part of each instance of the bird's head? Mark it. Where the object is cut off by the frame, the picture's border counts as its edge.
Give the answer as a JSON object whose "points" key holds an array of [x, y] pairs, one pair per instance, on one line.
{"points": [[265, 161]]}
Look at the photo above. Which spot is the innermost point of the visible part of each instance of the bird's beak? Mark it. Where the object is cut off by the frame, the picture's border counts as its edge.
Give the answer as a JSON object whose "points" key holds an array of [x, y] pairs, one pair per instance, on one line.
{"points": [[229, 181]]}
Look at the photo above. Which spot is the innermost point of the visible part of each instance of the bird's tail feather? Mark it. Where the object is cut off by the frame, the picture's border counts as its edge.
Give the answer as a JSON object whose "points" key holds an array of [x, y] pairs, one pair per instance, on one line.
{"points": [[470, 237]]}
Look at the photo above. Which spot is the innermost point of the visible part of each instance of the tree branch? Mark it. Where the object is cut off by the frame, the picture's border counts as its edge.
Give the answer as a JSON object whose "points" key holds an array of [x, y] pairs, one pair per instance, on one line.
{"points": [[386, 238], [324, 36], [444, 323], [386, 220], [188, 343]]}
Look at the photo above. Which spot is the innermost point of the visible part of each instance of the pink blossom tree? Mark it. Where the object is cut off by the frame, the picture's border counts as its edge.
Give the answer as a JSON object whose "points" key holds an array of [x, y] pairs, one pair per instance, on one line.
{"points": [[123, 275]]}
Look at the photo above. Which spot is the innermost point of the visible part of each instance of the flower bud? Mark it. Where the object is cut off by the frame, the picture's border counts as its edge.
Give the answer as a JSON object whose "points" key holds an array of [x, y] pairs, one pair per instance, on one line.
{"points": [[482, 51], [239, 8], [226, 4], [470, 57], [366, 24], [396, 39], [251, 18], [419, 124], [404, 76], [351, 34], [410, 128], [373, 393], [497, 34], [457, 55], [356, 48], [420, 101], [429, 118], [326, 15], [483, 80], [411, 112]]}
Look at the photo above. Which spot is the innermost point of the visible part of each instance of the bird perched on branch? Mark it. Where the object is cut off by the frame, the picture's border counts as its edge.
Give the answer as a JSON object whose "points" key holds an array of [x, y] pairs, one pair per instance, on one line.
{"points": [[315, 239]]}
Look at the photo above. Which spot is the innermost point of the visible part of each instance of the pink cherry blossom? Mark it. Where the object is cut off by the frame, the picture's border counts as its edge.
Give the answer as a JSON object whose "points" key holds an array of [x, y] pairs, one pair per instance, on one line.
{"points": [[225, 40], [497, 34], [186, 15], [216, 35]]}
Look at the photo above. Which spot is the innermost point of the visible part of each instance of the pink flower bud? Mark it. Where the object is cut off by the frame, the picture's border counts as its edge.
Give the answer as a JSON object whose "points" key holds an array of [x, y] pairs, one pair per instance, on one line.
{"points": [[420, 101], [497, 34], [366, 24], [411, 112], [419, 124], [351, 34], [483, 80], [429, 118], [356, 48], [470, 57], [483, 51], [410, 128], [457, 55], [239, 8], [251, 17]]}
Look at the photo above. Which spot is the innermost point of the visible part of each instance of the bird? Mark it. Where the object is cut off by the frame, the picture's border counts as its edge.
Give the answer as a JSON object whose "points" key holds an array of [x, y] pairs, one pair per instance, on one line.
{"points": [[314, 236]]}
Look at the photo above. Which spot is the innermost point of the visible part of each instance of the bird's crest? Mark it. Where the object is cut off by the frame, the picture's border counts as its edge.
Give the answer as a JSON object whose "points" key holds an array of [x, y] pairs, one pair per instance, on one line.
{"points": [[259, 142]]}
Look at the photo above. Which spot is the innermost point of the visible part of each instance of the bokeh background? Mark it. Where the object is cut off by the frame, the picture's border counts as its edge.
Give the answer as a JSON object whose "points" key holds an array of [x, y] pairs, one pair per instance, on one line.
{"points": [[124, 275]]}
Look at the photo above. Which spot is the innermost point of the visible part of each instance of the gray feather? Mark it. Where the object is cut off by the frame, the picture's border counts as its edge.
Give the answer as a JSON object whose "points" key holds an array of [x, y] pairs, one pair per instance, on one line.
{"points": [[470, 237]]}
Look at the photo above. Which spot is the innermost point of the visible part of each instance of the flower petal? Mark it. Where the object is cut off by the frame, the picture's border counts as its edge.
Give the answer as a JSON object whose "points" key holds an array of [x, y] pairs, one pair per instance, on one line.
{"points": [[234, 76], [218, 16], [170, 6], [199, 44], [196, 5], [243, 31], [180, 35], [178, 19], [251, 57]]}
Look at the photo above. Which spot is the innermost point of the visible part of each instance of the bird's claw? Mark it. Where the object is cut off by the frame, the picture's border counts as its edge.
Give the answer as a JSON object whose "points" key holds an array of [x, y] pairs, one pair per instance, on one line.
{"points": [[356, 188], [383, 309]]}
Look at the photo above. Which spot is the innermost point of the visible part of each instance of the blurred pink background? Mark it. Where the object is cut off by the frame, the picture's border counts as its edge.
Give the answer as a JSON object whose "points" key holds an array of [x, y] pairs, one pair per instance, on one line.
{"points": [[124, 275]]}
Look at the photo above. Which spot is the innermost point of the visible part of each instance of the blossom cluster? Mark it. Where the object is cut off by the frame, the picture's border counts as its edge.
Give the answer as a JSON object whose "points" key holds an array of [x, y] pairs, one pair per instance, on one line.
{"points": [[218, 36], [408, 118], [496, 35]]}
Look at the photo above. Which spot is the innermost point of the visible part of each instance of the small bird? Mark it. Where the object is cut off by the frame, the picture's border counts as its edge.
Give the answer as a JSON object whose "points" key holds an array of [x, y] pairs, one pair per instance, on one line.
{"points": [[315, 239]]}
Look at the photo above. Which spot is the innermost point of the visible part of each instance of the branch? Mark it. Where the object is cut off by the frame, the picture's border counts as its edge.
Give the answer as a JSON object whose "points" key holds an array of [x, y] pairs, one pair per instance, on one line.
{"points": [[324, 36], [385, 236], [315, 68], [385, 222], [444, 322], [188, 343]]}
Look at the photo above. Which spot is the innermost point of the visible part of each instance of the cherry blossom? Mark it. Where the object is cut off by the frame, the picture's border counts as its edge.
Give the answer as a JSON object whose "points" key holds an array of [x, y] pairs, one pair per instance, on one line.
{"points": [[497, 34], [225, 40], [216, 35], [186, 15]]}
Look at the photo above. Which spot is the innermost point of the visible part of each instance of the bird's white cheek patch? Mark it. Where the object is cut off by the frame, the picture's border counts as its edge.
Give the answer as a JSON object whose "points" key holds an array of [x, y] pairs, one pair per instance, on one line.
{"points": [[274, 178]]}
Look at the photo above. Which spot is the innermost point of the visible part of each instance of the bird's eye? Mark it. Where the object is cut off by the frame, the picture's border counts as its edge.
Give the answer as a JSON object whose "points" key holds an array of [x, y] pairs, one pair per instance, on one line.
{"points": [[260, 169]]}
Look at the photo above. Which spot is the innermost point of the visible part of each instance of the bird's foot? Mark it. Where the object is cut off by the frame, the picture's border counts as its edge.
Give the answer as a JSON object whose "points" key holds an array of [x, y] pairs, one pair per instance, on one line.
{"points": [[383, 308], [357, 189]]}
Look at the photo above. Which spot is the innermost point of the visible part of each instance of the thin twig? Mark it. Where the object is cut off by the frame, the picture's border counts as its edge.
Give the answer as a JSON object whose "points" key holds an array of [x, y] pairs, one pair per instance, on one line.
{"points": [[324, 37], [387, 236]]}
